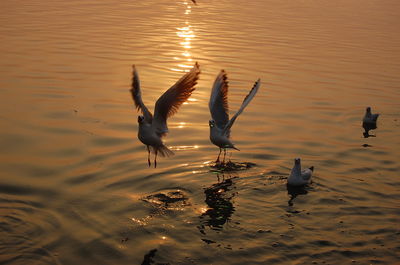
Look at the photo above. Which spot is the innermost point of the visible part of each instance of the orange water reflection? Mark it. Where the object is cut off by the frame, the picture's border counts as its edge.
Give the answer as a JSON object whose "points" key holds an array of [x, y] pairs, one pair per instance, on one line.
{"points": [[186, 35]]}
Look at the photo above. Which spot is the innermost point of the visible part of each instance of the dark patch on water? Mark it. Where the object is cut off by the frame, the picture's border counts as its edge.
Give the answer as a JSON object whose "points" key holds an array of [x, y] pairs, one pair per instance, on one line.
{"points": [[232, 166], [273, 172], [208, 241], [169, 200], [148, 258], [264, 231]]}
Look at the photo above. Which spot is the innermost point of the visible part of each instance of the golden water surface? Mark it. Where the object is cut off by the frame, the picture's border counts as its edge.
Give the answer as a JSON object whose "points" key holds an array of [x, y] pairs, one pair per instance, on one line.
{"points": [[75, 187]]}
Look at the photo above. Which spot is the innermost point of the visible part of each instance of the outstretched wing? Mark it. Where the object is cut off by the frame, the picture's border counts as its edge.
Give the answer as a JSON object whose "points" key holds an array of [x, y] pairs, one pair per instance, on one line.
{"points": [[169, 103], [218, 103], [245, 102], [137, 96]]}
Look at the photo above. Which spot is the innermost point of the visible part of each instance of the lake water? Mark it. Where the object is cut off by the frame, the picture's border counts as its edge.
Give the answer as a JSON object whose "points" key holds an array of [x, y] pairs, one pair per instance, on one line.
{"points": [[75, 187]]}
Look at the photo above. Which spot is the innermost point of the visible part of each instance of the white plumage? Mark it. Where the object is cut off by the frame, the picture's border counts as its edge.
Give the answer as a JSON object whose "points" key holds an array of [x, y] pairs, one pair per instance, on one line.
{"points": [[220, 124], [152, 129], [299, 177]]}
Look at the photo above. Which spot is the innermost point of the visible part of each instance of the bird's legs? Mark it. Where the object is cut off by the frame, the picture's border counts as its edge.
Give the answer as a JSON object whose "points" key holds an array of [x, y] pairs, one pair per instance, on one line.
{"points": [[223, 162], [148, 156], [217, 161], [155, 160]]}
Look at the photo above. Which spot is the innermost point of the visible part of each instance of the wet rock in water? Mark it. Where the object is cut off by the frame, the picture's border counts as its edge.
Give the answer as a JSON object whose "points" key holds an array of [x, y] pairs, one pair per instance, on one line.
{"points": [[168, 199], [232, 166]]}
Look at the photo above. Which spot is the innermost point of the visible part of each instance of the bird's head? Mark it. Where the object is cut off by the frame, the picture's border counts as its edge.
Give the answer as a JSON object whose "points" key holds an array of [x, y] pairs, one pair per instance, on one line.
{"points": [[368, 109], [297, 161], [211, 123], [140, 119]]}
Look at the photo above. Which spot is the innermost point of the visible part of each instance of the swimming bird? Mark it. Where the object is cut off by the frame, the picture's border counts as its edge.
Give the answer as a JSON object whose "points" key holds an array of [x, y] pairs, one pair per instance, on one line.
{"points": [[299, 177], [369, 121], [220, 124], [152, 129]]}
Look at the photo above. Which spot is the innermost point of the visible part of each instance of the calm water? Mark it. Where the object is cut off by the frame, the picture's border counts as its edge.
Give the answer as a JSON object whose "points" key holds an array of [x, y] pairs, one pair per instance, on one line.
{"points": [[74, 183]]}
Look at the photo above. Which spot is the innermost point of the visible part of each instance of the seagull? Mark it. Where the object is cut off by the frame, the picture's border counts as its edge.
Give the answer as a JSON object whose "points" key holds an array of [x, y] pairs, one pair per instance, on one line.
{"points": [[369, 121], [299, 177], [152, 129], [220, 124]]}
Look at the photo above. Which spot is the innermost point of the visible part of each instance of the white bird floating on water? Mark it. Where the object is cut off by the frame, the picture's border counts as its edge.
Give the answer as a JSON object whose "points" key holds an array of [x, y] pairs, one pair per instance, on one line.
{"points": [[152, 129], [299, 177], [220, 124]]}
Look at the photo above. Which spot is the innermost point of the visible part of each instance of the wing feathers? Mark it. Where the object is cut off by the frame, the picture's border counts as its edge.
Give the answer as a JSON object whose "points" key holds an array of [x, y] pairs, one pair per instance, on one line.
{"points": [[137, 96], [169, 103], [218, 103], [245, 102]]}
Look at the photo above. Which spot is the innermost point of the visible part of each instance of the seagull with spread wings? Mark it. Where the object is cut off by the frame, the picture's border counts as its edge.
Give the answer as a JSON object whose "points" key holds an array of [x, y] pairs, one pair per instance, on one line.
{"points": [[153, 128], [220, 124]]}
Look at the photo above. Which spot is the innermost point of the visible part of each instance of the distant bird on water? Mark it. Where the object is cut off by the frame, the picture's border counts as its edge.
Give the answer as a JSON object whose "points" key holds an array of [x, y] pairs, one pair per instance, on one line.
{"points": [[152, 129], [220, 124], [369, 121], [299, 177], [194, 2]]}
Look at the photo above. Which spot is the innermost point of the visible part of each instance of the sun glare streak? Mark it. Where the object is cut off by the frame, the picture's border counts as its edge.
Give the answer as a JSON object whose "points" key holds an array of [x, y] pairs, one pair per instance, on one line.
{"points": [[184, 147], [186, 35]]}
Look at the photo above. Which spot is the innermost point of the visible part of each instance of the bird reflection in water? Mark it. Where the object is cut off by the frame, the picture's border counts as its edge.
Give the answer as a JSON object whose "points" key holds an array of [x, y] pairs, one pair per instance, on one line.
{"points": [[367, 127], [295, 191], [218, 199]]}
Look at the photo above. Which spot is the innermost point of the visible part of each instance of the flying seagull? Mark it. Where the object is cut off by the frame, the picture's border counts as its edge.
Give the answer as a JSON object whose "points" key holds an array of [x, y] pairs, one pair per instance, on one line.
{"points": [[299, 177], [153, 128], [220, 124]]}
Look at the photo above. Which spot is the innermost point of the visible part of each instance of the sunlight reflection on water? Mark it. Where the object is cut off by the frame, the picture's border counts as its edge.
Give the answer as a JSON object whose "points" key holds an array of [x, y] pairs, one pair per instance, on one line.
{"points": [[74, 184]]}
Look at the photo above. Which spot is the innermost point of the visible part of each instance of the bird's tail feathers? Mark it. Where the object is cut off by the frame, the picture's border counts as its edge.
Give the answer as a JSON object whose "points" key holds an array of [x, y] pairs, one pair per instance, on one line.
{"points": [[235, 148], [162, 151], [312, 168]]}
